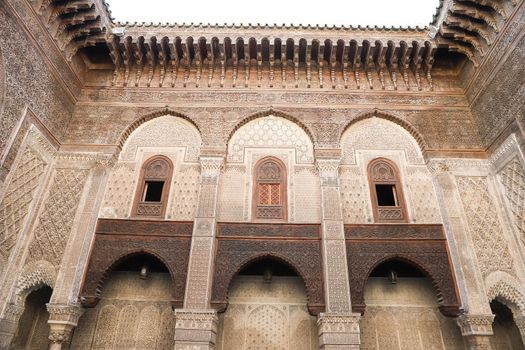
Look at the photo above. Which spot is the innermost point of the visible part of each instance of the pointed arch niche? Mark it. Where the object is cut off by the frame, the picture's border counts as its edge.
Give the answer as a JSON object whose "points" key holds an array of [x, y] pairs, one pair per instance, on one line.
{"points": [[135, 308], [289, 144], [373, 137], [176, 141], [267, 309], [402, 311]]}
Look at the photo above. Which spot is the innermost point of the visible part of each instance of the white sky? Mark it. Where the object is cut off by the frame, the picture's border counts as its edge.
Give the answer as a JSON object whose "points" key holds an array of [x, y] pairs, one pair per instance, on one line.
{"points": [[334, 12]]}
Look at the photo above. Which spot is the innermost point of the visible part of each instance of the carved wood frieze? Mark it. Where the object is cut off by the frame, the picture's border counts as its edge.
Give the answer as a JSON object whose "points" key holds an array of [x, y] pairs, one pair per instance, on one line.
{"points": [[231, 229], [423, 246], [303, 256], [116, 239]]}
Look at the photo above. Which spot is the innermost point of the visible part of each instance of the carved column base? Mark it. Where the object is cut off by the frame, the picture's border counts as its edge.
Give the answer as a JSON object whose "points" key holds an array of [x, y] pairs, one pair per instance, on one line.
{"points": [[9, 324], [477, 330], [195, 329], [338, 331], [62, 320]]}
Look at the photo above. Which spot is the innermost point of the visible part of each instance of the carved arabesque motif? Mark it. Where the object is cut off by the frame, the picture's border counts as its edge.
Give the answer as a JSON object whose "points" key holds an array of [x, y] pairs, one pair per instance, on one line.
{"points": [[378, 133], [512, 177], [56, 219], [28, 81], [422, 195], [486, 229], [165, 131], [18, 197], [354, 195], [270, 132]]}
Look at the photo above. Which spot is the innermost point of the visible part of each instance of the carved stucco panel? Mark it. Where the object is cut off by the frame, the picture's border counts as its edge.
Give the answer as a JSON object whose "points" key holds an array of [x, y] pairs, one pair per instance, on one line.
{"points": [[355, 196], [56, 219], [270, 132], [337, 276], [376, 134], [484, 225], [165, 131], [119, 190], [421, 195], [512, 176], [232, 189], [306, 195], [18, 197], [28, 82], [199, 273]]}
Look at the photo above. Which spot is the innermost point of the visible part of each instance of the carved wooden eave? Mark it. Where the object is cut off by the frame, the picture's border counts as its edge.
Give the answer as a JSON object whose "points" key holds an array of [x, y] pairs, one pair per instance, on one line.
{"points": [[75, 24], [470, 27], [260, 56]]}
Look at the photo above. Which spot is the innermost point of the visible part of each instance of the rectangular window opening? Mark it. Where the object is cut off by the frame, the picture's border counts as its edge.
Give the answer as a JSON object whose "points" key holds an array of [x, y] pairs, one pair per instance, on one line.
{"points": [[153, 191], [386, 195]]}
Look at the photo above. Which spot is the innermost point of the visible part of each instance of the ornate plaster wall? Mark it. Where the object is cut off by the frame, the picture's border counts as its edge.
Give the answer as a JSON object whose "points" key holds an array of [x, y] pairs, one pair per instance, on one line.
{"points": [[264, 315], [270, 136], [132, 314], [377, 137], [171, 136], [502, 90], [405, 316], [28, 82]]}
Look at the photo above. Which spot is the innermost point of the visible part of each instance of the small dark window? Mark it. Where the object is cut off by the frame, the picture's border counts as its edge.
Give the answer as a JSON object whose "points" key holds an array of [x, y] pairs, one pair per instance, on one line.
{"points": [[153, 187], [386, 195], [153, 191]]}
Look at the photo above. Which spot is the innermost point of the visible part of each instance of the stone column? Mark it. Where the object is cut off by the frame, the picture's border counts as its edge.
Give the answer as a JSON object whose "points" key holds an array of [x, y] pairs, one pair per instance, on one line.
{"points": [[196, 324], [338, 327], [62, 320], [477, 330], [9, 324]]}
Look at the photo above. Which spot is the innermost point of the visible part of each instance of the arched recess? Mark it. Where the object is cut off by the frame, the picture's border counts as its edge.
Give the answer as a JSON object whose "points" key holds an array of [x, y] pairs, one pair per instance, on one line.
{"points": [[390, 117], [143, 119], [439, 274], [225, 275], [504, 288], [270, 193], [402, 310], [35, 275], [172, 135], [276, 113], [267, 309], [135, 307], [98, 273]]}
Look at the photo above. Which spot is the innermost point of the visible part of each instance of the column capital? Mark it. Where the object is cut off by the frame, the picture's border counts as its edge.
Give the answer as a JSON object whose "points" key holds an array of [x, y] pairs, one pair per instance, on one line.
{"points": [[195, 329], [475, 324], [339, 330], [64, 313]]}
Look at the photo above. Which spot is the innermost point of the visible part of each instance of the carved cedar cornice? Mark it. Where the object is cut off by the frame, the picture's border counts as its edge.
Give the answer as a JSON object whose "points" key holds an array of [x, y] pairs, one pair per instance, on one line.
{"points": [[227, 57], [472, 27]]}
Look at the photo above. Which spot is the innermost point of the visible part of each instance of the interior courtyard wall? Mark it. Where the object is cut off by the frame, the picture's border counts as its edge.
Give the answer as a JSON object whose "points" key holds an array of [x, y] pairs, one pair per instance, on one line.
{"points": [[26, 82], [170, 136]]}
